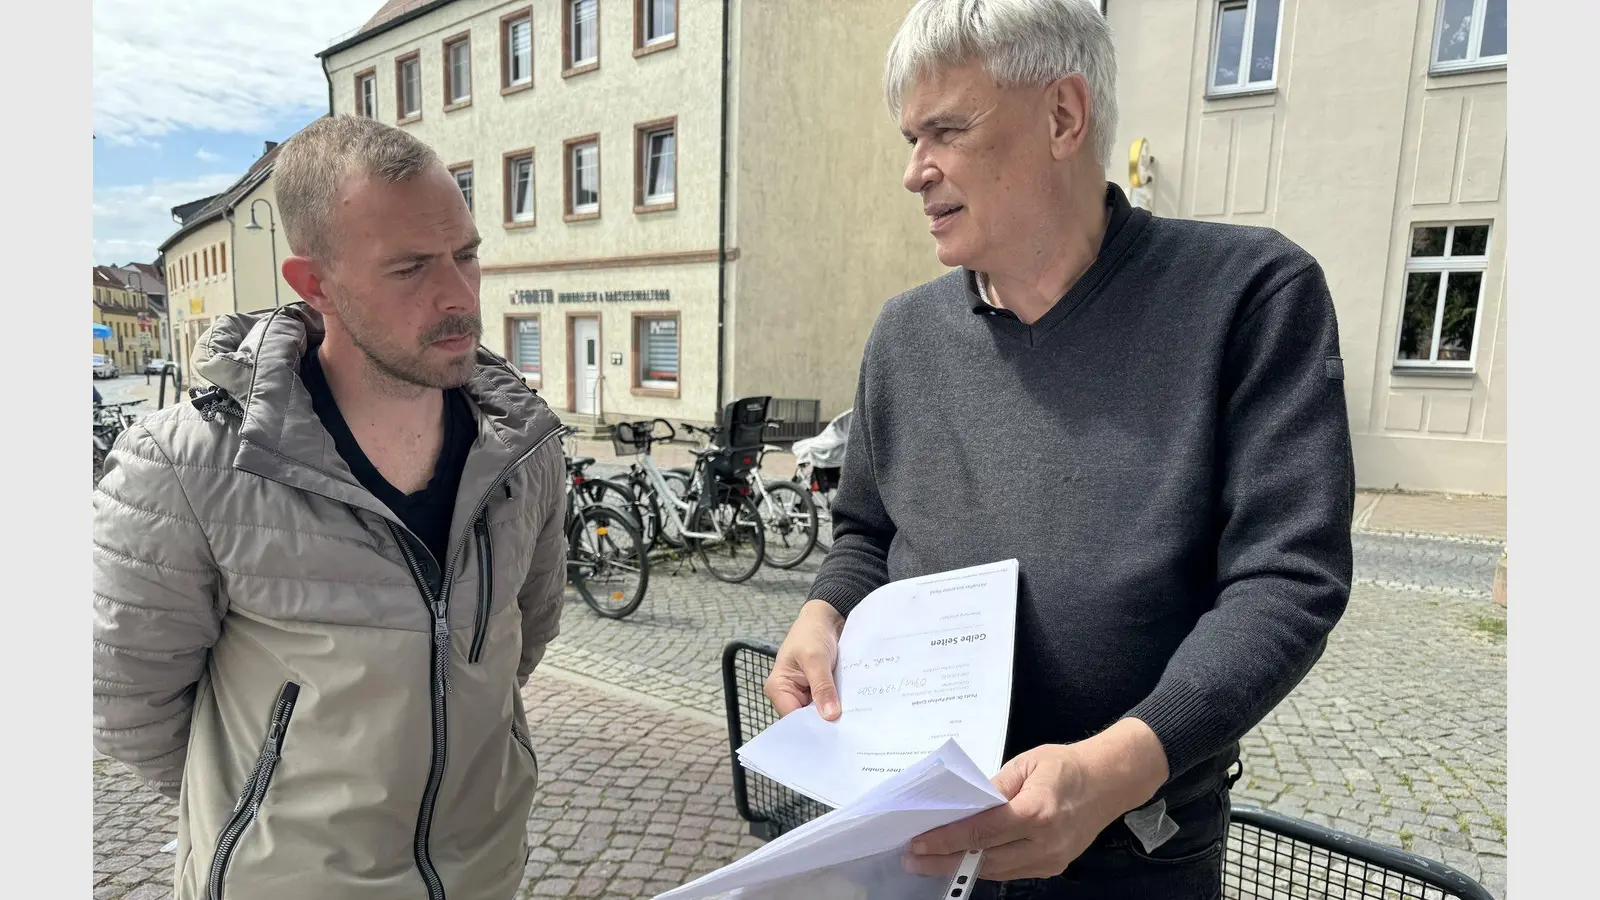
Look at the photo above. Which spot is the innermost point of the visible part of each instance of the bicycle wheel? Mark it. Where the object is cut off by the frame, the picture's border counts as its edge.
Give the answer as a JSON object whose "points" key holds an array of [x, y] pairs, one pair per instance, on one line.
{"points": [[609, 492], [790, 520], [606, 561], [736, 555]]}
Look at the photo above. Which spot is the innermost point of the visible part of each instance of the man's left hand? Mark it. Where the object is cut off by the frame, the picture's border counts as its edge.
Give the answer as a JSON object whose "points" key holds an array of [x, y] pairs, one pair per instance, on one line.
{"points": [[1061, 797]]}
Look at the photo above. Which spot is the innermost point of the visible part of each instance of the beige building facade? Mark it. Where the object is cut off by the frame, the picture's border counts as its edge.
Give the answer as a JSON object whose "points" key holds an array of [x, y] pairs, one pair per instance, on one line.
{"points": [[126, 311], [215, 263], [1376, 139], [625, 273]]}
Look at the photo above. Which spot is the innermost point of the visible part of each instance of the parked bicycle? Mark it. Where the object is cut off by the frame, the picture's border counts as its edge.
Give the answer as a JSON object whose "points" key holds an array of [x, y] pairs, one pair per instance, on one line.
{"points": [[818, 464], [606, 558], [110, 421], [788, 514], [709, 513]]}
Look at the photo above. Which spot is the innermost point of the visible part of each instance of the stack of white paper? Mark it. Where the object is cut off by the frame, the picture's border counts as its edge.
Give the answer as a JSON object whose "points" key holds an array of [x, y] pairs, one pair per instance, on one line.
{"points": [[924, 680], [946, 787]]}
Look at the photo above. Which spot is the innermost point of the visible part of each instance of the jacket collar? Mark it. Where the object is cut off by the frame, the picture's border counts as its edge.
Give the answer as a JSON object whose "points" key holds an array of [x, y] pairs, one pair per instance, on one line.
{"points": [[255, 358]]}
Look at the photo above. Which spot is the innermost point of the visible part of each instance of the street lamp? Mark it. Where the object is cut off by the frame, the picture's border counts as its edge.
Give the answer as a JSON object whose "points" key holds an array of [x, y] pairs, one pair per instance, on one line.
{"points": [[272, 222]]}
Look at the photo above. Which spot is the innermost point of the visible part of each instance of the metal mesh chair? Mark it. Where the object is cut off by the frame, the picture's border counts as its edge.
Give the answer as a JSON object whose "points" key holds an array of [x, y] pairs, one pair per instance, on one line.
{"points": [[1269, 856]]}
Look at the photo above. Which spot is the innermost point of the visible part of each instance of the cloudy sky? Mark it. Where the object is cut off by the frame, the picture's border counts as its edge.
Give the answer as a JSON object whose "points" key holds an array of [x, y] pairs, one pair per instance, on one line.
{"points": [[187, 92]]}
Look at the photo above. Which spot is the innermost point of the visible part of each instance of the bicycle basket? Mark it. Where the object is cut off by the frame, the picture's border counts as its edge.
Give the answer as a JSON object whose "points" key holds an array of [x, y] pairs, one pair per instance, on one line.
{"points": [[631, 438]]}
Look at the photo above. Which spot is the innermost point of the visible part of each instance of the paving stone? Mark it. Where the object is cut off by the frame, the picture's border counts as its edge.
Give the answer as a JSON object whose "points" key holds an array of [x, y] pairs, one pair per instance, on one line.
{"points": [[1404, 712]]}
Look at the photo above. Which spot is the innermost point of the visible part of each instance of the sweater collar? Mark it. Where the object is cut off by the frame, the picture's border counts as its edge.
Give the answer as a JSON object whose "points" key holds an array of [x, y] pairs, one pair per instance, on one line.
{"points": [[1119, 211]]}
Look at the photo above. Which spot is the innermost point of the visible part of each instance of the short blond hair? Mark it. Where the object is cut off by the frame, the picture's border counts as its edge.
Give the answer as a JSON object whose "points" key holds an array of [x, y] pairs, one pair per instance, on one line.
{"points": [[312, 165]]}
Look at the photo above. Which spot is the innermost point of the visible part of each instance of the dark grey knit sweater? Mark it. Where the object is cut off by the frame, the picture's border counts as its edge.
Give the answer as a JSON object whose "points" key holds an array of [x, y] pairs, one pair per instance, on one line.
{"points": [[1166, 452]]}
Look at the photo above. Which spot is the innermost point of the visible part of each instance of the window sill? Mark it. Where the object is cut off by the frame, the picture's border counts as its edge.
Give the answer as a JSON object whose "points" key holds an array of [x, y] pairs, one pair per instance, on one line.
{"points": [[409, 119], [581, 217], [664, 393], [648, 49], [1461, 68], [1439, 378], [1255, 90], [516, 88], [512, 226], [460, 104], [643, 208], [580, 70]]}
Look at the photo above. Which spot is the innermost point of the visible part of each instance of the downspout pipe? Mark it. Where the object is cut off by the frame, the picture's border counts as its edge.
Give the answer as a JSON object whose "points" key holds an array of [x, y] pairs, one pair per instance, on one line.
{"points": [[329, 76], [722, 220]]}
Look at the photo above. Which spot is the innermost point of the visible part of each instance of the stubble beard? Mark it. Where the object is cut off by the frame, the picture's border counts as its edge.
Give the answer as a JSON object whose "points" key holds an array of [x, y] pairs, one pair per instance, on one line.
{"points": [[411, 367]]}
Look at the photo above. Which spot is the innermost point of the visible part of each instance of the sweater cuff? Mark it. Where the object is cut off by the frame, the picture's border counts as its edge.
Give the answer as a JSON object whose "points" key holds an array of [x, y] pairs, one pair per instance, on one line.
{"points": [[1186, 722], [842, 597]]}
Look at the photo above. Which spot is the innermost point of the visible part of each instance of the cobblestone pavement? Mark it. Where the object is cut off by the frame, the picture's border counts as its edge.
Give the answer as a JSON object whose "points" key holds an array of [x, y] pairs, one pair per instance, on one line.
{"points": [[1398, 734], [1462, 567]]}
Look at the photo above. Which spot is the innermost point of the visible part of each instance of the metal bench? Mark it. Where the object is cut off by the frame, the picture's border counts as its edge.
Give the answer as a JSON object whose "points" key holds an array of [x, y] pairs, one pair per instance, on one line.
{"points": [[1269, 856]]}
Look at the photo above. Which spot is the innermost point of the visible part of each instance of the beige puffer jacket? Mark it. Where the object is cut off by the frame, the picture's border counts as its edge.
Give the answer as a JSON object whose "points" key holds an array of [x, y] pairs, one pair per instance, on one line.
{"points": [[269, 651]]}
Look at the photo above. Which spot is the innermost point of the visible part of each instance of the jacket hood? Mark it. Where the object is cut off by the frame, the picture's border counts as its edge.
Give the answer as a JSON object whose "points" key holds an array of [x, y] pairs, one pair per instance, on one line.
{"points": [[255, 357]]}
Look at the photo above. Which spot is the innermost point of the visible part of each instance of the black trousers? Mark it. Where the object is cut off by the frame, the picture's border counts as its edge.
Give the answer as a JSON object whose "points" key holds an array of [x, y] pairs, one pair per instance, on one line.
{"points": [[1116, 867]]}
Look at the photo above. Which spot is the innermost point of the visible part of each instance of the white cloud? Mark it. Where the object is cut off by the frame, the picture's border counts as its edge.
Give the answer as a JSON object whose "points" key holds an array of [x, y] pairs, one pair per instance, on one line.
{"points": [[166, 65], [131, 221], [207, 156]]}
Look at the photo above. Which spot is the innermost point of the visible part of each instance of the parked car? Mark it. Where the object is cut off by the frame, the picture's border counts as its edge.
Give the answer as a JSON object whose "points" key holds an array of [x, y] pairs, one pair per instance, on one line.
{"points": [[104, 367], [155, 367]]}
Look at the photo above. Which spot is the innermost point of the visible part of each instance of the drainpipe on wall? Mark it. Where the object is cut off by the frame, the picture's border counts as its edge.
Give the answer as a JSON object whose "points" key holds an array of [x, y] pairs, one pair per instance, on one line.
{"points": [[722, 219], [329, 76], [233, 253]]}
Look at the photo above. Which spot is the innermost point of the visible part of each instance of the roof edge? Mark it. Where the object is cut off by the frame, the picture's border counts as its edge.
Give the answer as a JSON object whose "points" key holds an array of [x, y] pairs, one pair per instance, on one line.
{"points": [[381, 28], [250, 183]]}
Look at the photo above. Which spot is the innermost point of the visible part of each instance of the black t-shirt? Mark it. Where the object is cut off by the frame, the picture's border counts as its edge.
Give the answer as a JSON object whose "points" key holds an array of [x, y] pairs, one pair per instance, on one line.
{"points": [[426, 512]]}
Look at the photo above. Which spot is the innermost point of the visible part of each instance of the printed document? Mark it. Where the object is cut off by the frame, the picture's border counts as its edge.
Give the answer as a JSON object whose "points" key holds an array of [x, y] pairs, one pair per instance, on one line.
{"points": [[853, 853], [921, 661]]}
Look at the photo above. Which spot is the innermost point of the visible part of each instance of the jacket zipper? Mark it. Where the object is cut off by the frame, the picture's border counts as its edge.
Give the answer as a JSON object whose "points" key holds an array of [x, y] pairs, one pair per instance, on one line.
{"points": [[480, 629], [255, 788], [439, 668], [521, 739]]}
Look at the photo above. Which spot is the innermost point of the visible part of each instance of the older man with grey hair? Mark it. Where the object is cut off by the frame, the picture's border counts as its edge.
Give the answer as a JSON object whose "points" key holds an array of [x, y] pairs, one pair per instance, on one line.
{"points": [[1148, 413], [319, 587]]}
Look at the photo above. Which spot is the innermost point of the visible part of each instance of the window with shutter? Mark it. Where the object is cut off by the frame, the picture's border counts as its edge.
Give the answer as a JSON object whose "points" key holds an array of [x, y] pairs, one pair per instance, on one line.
{"points": [[525, 346], [657, 343]]}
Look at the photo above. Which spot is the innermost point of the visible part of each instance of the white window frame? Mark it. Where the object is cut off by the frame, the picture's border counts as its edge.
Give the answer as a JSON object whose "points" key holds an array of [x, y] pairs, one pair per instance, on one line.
{"points": [[513, 59], [513, 354], [1473, 61], [649, 19], [513, 167], [1445, 265], [671, 195], [456, 83], [576, 40], [414, 63], [573, 152], [642, 345], [470, 191], [1243, 85], [367, 95]]}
